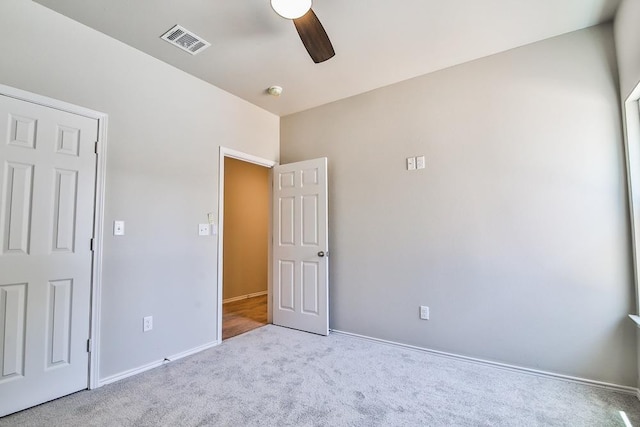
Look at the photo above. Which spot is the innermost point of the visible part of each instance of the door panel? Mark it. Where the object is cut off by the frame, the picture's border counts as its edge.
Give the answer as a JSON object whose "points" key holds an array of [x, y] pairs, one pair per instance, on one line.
{"points": [[65, 199], [17, 202], [310, 287], [47, 185], [58, 339], [12, 329], [300, 228]]}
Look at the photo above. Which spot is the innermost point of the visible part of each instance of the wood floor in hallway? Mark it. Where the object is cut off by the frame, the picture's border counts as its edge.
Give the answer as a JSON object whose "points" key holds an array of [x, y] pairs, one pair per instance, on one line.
{"points": [[243, 316]]}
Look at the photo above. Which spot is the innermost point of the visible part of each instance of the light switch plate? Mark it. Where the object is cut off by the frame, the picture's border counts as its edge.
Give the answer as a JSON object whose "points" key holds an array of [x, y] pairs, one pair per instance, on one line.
{"points": [[118, 228], [214, 229], [203, 229], [411, 163], [420, 162]]}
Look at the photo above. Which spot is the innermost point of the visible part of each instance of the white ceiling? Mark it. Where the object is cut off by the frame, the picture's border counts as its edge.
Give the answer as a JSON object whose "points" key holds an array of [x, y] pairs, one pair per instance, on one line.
{"points": [[377, 42]]}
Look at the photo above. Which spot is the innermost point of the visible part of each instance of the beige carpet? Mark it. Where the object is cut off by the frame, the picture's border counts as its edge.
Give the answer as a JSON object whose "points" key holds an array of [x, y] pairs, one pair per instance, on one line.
{"points": [[279, 377]]}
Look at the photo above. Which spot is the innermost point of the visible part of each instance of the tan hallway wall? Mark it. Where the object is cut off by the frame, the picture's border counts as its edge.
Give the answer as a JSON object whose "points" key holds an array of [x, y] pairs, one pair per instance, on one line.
{"points": [[246, 228]]}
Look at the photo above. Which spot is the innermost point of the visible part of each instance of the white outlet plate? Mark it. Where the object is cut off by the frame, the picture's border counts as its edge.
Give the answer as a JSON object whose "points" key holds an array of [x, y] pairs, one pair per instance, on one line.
{"points": [[203, 229], [147, 323], [420, 162], [424, 312]]}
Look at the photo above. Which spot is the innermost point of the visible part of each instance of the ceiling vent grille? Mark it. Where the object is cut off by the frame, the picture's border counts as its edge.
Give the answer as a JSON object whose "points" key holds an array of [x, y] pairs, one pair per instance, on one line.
{"points": [[185, 40]]}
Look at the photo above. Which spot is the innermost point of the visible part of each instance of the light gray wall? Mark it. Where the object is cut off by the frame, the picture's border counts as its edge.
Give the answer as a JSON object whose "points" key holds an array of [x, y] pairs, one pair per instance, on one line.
{"points": [[165, 128], [627, 36], [516, 234]]}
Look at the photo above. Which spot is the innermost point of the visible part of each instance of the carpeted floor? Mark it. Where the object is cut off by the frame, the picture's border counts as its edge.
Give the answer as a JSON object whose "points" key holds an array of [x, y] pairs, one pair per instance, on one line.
{"points": [[274, 376]]}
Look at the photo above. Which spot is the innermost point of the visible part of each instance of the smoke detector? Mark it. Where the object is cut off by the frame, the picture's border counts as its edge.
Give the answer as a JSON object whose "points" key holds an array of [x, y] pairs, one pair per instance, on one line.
{"points": [[185, 40], [274, 90]]}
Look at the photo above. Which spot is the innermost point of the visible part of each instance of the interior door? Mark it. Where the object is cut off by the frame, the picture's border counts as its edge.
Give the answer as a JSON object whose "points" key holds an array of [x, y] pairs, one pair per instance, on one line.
{"points": [[47, 185], [300, 244]]}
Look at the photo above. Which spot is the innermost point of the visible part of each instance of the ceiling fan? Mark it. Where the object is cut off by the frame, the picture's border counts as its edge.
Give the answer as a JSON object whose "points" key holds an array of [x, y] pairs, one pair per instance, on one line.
{"points": [[311, 31]]}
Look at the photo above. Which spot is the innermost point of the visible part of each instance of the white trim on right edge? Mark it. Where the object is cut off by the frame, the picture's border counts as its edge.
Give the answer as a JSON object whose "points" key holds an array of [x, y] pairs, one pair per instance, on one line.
{"points": [[96, 299], [529, 371], [631, 127]]}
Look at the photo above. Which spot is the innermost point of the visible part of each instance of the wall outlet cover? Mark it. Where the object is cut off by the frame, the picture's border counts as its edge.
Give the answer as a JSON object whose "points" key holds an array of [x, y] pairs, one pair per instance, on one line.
{"points": [[424, 312], [203, 229], [147, 323]]}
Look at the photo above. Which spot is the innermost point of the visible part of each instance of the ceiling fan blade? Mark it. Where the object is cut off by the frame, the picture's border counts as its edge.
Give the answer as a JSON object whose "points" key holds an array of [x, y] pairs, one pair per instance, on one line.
{"points": [[314, 37]]}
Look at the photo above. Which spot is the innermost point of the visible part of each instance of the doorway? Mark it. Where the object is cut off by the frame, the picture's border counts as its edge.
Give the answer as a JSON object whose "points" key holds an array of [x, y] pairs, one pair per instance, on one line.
{"points": [[244, 243], [297, 243]]}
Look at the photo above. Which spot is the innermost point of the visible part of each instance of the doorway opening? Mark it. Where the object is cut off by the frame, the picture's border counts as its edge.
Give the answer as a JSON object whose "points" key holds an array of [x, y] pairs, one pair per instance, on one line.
{"points": [[244, 243]]}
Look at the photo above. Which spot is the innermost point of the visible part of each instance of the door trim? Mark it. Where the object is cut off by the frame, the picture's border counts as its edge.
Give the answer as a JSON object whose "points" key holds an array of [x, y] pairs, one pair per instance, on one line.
{"points": [[631, 135], [98, 215], [239, 155]]}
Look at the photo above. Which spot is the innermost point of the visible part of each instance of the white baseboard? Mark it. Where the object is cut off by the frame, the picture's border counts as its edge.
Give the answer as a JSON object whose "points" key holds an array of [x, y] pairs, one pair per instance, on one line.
{"points": [[241, 297], [614, 387], [152, 365]]}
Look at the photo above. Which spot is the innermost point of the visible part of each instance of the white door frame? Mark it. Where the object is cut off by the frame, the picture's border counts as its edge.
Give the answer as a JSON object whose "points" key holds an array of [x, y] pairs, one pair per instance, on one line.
{"points": [[631, 126], [234, 154], [98, 216]]}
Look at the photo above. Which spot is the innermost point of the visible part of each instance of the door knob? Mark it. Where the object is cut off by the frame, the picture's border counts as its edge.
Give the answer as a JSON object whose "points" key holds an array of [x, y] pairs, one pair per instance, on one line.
{"points": [[321, 254]]}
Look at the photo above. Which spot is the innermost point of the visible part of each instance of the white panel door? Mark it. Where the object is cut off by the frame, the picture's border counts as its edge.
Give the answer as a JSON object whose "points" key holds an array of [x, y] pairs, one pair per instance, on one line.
{"points": [[300, 244], [47, 185]]}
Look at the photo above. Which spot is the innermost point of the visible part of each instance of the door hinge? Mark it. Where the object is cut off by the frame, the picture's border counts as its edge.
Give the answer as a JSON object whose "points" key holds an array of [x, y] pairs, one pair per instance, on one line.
{"points": [[89, 345], [96, 148], [91, 244]]}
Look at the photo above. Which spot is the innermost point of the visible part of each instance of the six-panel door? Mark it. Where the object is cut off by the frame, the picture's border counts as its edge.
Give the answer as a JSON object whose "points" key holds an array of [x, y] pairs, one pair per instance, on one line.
{"points": [[300, 232], [47, 185]]}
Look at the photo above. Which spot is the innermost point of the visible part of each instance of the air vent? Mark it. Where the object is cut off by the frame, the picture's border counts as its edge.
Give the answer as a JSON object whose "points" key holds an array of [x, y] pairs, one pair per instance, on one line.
{"points": [[185, 40]]}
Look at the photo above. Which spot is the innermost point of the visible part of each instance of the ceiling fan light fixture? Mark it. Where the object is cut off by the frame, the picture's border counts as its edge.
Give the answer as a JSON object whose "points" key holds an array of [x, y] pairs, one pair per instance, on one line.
{"points": [[291, 9]]}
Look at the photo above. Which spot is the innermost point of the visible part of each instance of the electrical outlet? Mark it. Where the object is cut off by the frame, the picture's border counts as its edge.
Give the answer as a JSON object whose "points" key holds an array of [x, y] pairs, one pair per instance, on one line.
{"points": [[424, 312], [147, 324]]}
